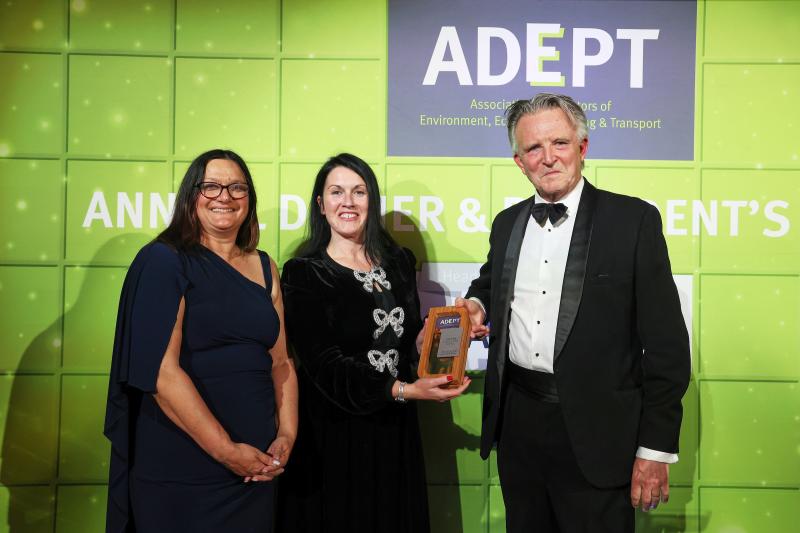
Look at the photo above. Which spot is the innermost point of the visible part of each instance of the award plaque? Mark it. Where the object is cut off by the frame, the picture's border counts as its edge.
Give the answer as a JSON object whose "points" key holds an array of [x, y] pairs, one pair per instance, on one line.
{"points": [[444, 344]]}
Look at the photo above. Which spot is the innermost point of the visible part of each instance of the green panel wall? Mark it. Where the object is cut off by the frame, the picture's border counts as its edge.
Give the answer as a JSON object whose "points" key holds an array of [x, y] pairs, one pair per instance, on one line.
{"points": [[104, 103]]}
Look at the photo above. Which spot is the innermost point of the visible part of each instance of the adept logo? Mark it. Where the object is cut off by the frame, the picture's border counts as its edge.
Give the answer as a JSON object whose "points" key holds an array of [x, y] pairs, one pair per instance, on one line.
{"points": [[448, 43], [453, 71], [448, 321]]}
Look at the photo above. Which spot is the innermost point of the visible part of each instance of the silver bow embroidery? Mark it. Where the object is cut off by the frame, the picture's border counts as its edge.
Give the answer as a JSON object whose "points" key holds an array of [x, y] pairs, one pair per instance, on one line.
{"points": [[376, 275], [388, 360], [394, 318]]}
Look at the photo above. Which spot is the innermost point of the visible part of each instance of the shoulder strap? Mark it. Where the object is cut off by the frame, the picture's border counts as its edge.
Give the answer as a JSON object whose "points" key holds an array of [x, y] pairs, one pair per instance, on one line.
{"points": [[265, 266]]}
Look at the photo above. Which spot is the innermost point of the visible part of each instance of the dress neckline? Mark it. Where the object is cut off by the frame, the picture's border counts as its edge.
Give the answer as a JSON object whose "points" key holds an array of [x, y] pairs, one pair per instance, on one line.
{"points": [[231, 267], [367, 278], [327, 257]]}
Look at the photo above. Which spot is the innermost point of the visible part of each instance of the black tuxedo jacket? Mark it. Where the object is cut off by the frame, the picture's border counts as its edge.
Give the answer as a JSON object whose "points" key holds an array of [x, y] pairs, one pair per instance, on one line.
{"points": [[621, 353]]}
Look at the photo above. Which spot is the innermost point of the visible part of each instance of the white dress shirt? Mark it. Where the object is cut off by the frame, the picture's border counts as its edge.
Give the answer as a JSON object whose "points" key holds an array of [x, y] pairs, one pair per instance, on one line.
{"points": [[537, 296], [537, 288]]}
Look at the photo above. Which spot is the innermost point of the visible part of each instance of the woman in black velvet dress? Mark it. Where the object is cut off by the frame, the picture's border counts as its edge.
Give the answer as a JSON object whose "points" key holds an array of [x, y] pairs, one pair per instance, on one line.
{"points": [[352, 316], [202, 400]]}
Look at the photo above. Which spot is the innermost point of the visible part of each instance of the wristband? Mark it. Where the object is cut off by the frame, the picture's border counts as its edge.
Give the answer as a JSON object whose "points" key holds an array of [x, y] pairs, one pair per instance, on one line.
{"points": [[400, 390]]}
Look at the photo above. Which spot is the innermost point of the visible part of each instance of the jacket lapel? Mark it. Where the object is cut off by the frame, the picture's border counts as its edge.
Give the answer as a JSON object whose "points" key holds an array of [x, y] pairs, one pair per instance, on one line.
{"points": [[509, 276], [575, 271]]}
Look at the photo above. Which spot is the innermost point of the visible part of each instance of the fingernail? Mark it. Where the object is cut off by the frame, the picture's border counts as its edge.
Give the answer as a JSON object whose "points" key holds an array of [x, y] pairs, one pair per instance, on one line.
{"points": [[449, 378], [275, 462]]}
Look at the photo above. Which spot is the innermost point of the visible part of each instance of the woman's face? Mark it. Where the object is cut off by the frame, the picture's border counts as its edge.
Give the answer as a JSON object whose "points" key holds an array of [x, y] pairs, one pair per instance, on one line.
{"points": [[224, 214], [345, 202]]}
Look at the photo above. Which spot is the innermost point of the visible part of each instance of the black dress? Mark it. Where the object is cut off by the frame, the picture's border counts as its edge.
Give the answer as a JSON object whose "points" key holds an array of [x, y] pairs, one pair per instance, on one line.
{"points": [[160, 479], [357, 463]]}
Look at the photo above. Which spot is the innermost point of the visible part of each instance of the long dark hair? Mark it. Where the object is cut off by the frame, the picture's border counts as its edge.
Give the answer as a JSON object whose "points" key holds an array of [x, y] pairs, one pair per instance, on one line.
{"points": [[184, 230], [378, 244]]}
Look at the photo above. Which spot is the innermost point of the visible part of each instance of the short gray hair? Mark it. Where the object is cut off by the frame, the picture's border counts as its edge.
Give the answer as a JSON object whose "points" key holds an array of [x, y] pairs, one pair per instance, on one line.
{"points": [[542, 102]]}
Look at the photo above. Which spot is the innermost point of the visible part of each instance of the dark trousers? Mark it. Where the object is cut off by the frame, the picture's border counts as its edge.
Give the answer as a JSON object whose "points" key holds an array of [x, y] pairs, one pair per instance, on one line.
{"points": [[543, 487]]}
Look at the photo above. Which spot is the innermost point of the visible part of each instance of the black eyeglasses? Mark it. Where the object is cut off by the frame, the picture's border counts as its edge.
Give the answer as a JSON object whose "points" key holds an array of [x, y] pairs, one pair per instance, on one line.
{"points": [[212, 190]]}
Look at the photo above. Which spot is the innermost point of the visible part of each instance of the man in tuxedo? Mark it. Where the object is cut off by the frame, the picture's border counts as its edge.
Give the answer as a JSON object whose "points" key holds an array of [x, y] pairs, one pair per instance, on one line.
{"points": [[588, 353]]}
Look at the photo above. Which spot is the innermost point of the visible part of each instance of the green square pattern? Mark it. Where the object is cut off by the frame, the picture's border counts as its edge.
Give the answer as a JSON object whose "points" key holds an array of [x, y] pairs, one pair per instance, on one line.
{"points": [[179, 169], [91, 300], [32, 110], [451, 438], [457, 508], [84, 451], [232, 27], [685, 471], [28, 509], [81, 509], [494, 476], [497, 510], [28, 429], [119, 106], [266, 183], [762, 239], [31, 223], [296, 184], [319, 122], [315, 28], [226, 103], [30, 319], [440, 212], [750, 114], [771, 30], [738, 339], [115, 208], [674, 192], [749, 433], [301, 80], [35, 24], [121, 25], [747, 510]]}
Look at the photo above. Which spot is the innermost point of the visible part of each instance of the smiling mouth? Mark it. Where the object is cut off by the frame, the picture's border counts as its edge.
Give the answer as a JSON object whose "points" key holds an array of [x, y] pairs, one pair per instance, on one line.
{"points": [[348, 216], [222, 210]]}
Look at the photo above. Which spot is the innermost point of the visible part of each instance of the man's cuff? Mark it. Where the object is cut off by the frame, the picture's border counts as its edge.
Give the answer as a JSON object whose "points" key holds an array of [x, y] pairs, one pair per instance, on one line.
{"points": [[479, 302], [653, 455]]}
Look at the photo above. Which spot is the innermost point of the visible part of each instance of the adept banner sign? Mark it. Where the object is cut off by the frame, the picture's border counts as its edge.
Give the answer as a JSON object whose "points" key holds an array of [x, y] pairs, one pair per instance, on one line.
{"points": [[456, 65]]}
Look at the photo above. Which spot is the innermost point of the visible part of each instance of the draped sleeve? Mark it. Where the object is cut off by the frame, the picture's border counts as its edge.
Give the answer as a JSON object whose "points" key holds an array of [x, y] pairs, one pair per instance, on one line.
{"points": [[345, 379], [148, 308]]}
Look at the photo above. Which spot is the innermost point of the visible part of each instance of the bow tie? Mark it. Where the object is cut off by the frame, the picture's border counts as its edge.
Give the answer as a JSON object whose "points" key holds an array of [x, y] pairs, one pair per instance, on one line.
{"points": [[554, 212]]}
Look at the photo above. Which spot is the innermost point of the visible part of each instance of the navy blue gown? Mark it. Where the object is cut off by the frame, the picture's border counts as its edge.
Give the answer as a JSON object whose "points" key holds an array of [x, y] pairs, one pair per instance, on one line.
{"points": [[160, 479]]}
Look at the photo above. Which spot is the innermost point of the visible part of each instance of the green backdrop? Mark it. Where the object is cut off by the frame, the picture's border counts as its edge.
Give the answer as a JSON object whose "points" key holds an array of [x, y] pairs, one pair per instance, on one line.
{"points": [[103, 103]]}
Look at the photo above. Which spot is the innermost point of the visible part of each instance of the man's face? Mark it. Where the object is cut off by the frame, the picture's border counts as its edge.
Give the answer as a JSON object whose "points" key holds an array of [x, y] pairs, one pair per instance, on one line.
{"points": [[549, 153]]}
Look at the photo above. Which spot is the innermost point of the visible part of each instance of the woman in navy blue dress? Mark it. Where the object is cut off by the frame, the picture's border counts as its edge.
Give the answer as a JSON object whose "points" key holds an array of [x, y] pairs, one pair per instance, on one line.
{"points": [[202, 403]]}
